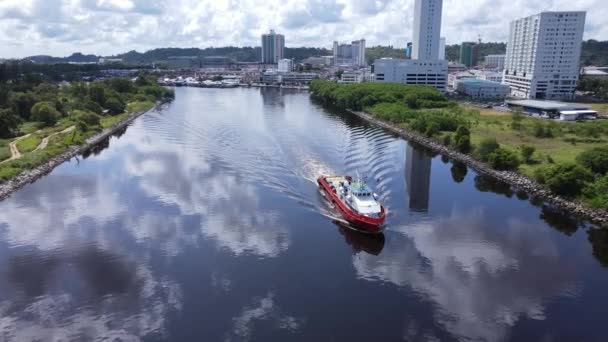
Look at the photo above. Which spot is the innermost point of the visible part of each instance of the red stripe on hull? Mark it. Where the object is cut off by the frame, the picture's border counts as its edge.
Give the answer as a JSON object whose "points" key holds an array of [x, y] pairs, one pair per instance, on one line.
{"points": [[368, 224]]}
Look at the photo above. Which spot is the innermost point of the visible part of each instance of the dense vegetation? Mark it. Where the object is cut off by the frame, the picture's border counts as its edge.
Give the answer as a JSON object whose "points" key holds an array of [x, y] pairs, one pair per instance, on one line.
{"points": [[596, 86], [66, 115], [569, 158]]}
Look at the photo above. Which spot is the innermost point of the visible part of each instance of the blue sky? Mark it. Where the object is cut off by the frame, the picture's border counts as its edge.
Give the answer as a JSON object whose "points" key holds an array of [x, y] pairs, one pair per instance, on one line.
{"points": [[60, 27]]}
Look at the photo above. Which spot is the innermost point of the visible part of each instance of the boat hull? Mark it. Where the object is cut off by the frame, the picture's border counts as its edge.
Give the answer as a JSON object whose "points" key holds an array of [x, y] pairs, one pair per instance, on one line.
{"points": [[371, 225]]}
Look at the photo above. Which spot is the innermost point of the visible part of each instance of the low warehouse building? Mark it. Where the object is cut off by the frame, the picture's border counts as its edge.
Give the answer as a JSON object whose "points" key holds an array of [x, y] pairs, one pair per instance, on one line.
{"points": [[554, 109], [482, 89]]}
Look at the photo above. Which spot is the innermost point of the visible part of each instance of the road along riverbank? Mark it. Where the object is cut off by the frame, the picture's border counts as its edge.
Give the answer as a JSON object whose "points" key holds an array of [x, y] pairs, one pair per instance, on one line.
{"points": [[518, 181], [29, 176]]}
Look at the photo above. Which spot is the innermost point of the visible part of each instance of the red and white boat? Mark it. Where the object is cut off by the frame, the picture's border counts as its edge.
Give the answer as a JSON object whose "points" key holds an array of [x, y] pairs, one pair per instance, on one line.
{"points": [[356, 201]]}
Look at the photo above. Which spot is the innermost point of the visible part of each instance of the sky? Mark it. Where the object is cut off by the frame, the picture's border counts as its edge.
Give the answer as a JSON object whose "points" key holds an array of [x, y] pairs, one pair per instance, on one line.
{"points": [[107, 27]]}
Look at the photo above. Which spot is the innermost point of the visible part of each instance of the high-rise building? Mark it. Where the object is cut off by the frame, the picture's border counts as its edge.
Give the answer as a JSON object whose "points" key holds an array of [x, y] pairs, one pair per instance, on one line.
{"points": [[442, 49], [466, 54], [273, 46], [427, 29], [425, 67], [543, 55], [408, 51], [350, 54]]}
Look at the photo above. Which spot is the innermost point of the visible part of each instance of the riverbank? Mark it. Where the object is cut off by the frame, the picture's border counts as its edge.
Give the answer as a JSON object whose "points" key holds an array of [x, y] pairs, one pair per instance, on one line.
{"points": [[29, 176], [516, 180]]}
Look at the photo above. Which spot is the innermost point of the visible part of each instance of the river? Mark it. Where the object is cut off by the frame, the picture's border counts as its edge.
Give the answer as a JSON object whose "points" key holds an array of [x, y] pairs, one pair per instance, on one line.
{"points": [[202, 222]]}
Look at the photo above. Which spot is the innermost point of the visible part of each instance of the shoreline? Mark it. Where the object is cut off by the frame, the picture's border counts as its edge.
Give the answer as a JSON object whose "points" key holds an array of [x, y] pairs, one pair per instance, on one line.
{"points": [[514, 179], [30, 176]]}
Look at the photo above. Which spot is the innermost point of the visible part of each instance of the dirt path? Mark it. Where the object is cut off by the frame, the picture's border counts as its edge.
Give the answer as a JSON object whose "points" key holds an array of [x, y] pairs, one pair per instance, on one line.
{"points": [[44, 143], [15, 154]]}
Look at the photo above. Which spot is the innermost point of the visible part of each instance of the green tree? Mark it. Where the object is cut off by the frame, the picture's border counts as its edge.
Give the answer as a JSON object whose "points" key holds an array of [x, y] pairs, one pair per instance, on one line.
{"points": [[527, 152], [45, 112], [567, 179], [115, 106], [97, 93], [595, 159], [502, 159], [9, 123], [462, 139], [121, 84], [22, 104], [486, 147]]}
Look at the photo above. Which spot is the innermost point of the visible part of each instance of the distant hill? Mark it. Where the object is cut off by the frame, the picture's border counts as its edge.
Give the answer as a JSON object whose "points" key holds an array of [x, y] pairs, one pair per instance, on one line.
{"points": [[594, 53]]}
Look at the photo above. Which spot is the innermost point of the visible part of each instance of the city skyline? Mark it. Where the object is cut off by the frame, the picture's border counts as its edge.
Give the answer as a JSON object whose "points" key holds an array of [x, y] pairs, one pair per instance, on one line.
{"points": [[107, 27]]}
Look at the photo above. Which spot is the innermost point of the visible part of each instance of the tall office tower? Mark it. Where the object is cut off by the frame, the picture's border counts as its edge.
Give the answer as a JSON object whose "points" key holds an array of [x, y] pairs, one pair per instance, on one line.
{"points": [[543, 55], [273, 46], [466, 54], [442, 49], [427, 29]]}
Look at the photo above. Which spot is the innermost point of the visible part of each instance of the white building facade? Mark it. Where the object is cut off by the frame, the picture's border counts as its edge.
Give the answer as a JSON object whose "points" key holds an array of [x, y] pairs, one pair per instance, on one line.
{"points": [[495, 62], [411, 71], [427, 29], [481, 89], [543, 55], [285, 65]]}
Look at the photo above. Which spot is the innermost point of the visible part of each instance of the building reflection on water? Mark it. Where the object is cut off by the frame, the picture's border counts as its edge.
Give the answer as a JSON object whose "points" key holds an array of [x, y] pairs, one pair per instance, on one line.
{"points": [[418, 178]]}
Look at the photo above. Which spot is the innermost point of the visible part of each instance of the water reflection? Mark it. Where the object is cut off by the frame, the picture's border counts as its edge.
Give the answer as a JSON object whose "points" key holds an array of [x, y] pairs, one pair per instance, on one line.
{"points": [[481, 281], [85, 294], [371, 244], [418, 178]]}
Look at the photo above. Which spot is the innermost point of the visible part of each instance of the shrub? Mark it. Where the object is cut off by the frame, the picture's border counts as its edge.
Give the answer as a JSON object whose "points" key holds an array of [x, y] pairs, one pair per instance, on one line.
{"points": [[526, 153], [597, 193], [92, 107], [502, 159], [462, 139], [567, 179], [432, 128], [89, 118], [447, 139], [45, 112], [595, 159], [486, 147]]}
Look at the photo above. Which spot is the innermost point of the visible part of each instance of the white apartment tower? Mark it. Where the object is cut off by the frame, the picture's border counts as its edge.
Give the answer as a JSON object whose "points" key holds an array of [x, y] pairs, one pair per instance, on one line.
{"points": [[350, 54], [427, 29], [543, 55]]}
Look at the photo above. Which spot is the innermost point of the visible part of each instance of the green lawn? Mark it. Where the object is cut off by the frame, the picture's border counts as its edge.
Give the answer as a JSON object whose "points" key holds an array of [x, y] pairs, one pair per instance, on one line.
{"points": [[30, 143], [5, 151], [139, 106]]}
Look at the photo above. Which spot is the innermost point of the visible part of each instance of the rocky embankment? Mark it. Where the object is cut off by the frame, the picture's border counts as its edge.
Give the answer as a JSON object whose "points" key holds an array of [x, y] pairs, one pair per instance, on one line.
{"points": [[30, 176], [518, 181]]}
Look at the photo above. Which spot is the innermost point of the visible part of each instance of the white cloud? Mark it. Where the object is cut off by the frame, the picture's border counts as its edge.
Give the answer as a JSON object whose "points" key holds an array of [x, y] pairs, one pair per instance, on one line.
{"points": [[60, 27]]}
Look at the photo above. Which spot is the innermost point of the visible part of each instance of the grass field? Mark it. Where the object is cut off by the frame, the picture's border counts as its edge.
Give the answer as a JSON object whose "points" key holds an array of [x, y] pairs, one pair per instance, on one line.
{"points": [[5, 151], [496, 124], [30, 143]]}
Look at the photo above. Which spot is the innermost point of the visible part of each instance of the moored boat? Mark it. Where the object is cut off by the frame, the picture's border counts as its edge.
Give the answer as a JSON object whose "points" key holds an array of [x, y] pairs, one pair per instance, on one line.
{"points": [[356, 201]]}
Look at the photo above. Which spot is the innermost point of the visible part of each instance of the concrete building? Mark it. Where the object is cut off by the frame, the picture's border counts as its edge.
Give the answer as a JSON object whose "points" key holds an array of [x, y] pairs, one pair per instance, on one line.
{"points": [[289, 78], [543, 55], [495, 62], [425, 67], [411, 71], [456, 67], [427, 29], [357, 76], [183, 62], [273, 47], [285, 65], [481, 89], [595, 72], [350, 54], [442, 49]]}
